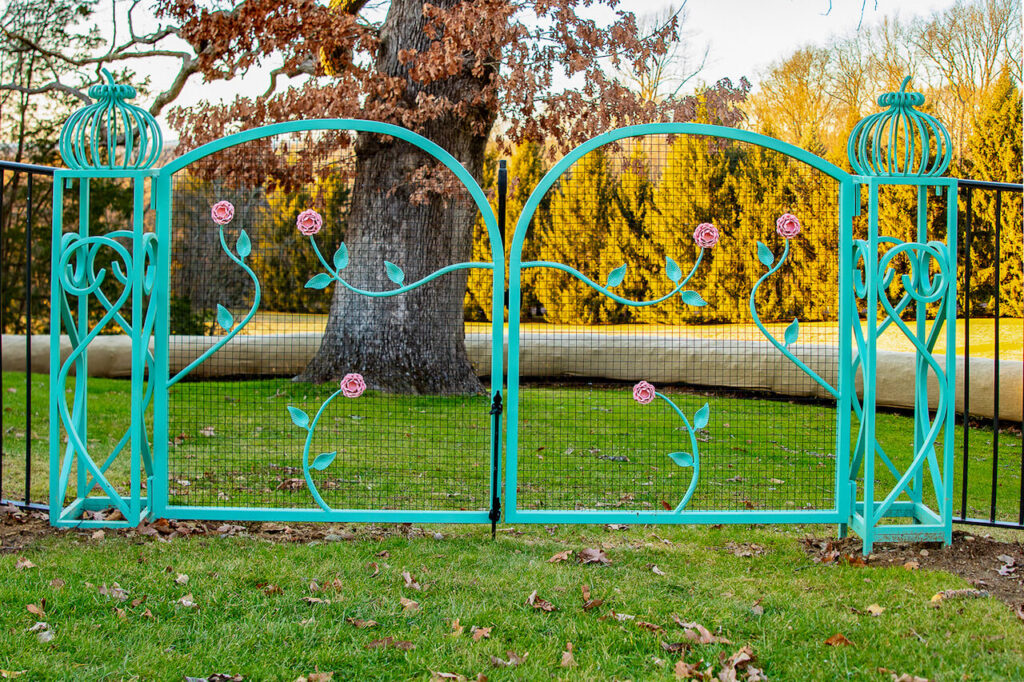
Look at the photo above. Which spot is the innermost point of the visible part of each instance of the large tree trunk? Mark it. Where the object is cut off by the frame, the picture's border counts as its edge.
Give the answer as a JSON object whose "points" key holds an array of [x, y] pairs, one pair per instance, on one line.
{"points": [[413, 342]]}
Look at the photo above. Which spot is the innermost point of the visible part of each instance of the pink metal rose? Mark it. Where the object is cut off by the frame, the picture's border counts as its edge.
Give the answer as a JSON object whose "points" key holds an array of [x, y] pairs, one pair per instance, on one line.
{"points": [[706, 235], [352, 386], [788, 225], [222, 212], [309, 223], [643, 392]]}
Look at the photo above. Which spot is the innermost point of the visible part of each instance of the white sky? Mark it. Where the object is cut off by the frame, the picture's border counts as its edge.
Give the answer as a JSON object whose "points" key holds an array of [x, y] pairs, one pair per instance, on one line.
{"points": [[745, 37]]}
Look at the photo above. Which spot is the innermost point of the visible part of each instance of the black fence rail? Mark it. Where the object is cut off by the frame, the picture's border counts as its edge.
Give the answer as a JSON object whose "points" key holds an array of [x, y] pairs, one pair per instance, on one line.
{"points": [[25, 218], [991, 243]]}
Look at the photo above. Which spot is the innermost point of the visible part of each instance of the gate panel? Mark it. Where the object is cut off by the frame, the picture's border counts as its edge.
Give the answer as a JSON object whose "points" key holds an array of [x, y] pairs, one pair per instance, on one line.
{"points": [[611, 290], [249, 301]]}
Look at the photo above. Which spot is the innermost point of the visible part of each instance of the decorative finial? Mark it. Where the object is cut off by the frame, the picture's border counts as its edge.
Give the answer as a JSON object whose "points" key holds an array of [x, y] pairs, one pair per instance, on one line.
{"points": [[90, 136], [900, 141]]}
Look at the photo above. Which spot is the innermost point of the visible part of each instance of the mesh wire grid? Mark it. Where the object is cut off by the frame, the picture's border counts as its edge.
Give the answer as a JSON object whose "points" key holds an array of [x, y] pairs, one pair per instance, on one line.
{"points": [[233, 442], [584, 443]]}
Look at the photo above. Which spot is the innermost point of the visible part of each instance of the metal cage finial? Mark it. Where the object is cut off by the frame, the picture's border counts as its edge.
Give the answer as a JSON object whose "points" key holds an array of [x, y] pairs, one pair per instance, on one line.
{"points": [[900, 141], [90, 137]]}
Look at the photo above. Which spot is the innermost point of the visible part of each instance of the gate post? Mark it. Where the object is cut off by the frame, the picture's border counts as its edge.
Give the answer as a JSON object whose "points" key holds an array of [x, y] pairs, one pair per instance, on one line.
{"points": [[110, 278], [902, 146]]}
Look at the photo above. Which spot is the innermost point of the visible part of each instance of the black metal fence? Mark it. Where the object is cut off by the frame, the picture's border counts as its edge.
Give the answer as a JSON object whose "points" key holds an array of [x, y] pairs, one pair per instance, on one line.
{"points": [[991, 468], [25, 218], [991, 244]]}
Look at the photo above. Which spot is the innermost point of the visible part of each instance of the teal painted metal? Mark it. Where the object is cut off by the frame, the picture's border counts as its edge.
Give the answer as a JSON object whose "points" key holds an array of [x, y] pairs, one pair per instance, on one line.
{"points": [[900, 146], [89, 138], [900, 141]]}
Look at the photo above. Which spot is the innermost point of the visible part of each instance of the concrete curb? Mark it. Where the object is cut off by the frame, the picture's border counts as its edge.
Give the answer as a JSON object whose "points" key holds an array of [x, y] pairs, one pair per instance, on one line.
{"points": [[744, 365]]}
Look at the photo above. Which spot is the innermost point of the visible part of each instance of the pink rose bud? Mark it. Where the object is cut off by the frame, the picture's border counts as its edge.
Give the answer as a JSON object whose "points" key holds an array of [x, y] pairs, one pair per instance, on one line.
{"points": [[706, 235], [222, 212], [309, 223], [352, 386], [788, 225], [643, 392]]}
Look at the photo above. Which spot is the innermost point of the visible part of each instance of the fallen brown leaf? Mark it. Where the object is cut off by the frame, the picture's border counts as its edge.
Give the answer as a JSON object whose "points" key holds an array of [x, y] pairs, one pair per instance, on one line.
{"points": [[655, 570], [757, 609], [838, 639], [23, 564], [561, 556], [456, 628], [567, 658], [594, 556], [698, 633], [391, 642], [875, 610], [360, 623], [673, 647], [57, 583], [182, 579], [187, 601], [480, 633], [409, 604], [539, 603], [410, 582], [514, 659], [115, 591], [653, 627]]}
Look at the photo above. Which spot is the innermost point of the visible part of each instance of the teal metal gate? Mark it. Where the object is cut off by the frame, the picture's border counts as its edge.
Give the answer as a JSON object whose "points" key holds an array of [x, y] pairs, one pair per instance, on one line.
{"points": [[575, 451]]}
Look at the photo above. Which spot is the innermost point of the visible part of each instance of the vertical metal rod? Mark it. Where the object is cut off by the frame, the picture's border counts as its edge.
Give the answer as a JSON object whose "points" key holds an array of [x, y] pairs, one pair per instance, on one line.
{"points": [[502, 198], [28, 340], [1, 341], [967, 352], [995, 378]]}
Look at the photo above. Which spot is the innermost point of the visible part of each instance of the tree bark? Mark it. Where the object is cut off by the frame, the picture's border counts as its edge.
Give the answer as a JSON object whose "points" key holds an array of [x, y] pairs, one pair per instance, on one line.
{"points": [[412, 342]]}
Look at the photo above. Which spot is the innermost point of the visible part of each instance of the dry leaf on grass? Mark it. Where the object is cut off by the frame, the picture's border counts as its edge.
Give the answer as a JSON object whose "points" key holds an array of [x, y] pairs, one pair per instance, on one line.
{"points": [[456, 628], [480, 633], [115, 591], [691, 671], [696, 632], [589, 603], [410, 582], [838, 639], [567, 658], [652, 627], [360, 623], [539, 603], [513, 660], [655, 570], [909, 678], [391, 642], [594, 556], [560, 557], [409, 604], [875, 610], [187, 601], [182, 579], [36, 610], [23, 564], [57, 583], [316, 677], [967, 593]]}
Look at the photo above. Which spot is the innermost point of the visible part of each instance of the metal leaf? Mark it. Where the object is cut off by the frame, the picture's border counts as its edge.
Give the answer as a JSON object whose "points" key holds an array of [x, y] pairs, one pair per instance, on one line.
{"points": [[341, 257], [299, 417], [692, 298], [616, 276], [319, 281], [672, 270], [765, 255], [700, 420], [395, 273], [243, 246], [323, 460], [224, 318], [683, 459], [792, 331]]}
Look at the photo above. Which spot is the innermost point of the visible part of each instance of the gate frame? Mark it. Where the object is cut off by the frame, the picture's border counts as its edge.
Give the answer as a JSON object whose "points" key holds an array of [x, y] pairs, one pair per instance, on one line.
{"points": [[848, 204]]}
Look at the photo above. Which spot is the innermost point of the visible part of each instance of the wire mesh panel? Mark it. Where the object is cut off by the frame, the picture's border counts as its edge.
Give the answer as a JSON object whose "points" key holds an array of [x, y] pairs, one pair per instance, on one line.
{"points": [[334, 392], [638, 267]]}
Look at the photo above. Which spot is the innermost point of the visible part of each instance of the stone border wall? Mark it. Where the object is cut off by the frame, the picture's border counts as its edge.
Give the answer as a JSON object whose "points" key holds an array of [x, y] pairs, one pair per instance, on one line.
{"points": [[748, 365]]}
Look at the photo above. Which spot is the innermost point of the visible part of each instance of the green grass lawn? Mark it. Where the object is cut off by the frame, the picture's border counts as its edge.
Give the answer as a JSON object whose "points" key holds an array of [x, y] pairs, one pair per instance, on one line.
{"points": [[251, 617], [580, 447]]}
